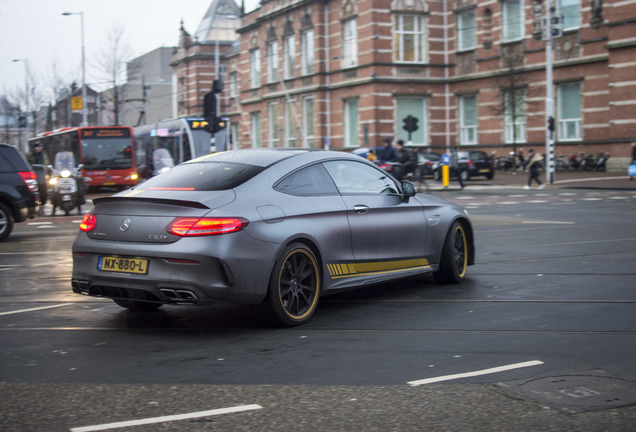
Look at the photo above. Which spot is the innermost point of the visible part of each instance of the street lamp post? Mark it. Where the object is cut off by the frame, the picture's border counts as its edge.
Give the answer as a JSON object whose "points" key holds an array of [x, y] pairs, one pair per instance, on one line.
{"points": [[84, 102], [26, 100]]}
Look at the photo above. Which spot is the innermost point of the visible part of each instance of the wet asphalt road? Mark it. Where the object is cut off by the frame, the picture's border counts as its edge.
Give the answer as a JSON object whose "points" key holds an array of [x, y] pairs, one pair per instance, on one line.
{"points": [[553, 284]]}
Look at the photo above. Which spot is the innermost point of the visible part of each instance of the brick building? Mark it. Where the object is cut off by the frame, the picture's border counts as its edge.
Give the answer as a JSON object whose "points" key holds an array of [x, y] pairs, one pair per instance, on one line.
{"points": [[345, 73]]}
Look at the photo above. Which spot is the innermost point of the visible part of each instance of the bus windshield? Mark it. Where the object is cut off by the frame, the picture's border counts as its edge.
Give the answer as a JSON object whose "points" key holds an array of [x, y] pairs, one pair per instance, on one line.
{"points": [[106, 153]]}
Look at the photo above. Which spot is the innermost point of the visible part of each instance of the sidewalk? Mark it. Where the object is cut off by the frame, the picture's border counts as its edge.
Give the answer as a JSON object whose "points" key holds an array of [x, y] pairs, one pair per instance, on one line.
{"points": [[562, 179]]}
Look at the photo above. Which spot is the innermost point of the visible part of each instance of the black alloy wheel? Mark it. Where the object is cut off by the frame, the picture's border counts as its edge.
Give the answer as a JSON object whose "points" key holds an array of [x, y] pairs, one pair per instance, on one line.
{"points": [[294, 287], [454, 260]]}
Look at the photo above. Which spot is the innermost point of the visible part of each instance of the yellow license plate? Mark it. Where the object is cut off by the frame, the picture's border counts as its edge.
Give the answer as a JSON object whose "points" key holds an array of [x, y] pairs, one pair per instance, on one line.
{"points": [[484, 170], [123, 265]]}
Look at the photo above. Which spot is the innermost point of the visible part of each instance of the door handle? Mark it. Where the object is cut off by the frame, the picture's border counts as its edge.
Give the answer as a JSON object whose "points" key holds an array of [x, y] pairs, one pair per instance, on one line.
{"points": [[359, 208]]}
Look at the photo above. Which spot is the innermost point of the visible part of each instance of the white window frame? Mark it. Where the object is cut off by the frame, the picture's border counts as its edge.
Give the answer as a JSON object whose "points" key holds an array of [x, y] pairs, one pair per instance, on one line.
{"points": [[513, 21], [468, 132], [349, 43], [256, 129], [234, 130], [272, 62], [571, 10], [307, 52], [234, 84], [466, 30], [418, 35], [417, 107], [309, 122], [272, 124], [255, 68], [290, 123], [289, 54], [569, 128], [351, 135]]}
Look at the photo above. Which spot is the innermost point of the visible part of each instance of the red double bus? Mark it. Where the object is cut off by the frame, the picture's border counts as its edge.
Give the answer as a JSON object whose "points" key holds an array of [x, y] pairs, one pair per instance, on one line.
{"points": [[107, 153]]}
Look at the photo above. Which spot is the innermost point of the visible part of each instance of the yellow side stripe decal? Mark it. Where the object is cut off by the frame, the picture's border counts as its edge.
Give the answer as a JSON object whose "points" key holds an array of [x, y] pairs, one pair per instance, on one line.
{"points": [[341, 270]]}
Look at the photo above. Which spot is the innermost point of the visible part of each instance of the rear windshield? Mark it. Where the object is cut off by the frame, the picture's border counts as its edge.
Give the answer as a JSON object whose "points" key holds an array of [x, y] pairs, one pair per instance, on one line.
{"points": [[11, 160], [202, 176]]}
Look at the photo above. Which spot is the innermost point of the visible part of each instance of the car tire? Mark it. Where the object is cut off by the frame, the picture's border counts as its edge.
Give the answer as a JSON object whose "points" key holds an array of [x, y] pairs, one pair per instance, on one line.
{"points": [[294, 287], [138, 305], [490, 175], [454, 259], [6, 222], [464, 174], [437, 176]]}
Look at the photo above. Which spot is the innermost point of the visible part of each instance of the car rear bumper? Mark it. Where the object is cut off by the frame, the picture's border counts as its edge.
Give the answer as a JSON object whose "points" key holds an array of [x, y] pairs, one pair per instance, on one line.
{"points": [[173, 276]]}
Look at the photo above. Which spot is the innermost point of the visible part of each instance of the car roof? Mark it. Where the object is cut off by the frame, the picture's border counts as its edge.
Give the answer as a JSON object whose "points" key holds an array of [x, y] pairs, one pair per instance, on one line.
{"points": [[263, 157]]}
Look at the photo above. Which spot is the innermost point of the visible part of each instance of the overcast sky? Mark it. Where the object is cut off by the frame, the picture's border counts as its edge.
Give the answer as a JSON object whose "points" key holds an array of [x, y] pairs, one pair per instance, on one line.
{"points": [[36, 30]]}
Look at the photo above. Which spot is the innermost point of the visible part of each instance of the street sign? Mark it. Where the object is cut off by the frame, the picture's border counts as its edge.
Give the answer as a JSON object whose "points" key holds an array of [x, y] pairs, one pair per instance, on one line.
{"points": [[76, 103]]}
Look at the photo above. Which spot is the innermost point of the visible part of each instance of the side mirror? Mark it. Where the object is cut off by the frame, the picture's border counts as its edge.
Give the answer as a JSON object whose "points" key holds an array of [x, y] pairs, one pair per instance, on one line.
{"points": [[408, 190]]}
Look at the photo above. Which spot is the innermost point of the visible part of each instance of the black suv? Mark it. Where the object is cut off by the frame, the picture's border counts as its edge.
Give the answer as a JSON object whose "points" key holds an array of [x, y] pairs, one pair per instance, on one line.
{"points": [[470, 164], [19, 196]]}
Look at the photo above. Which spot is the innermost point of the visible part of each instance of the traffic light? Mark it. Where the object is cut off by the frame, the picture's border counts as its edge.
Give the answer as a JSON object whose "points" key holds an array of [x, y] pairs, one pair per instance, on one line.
{"points": [[410, 123], [551, 124], [215, 123]]}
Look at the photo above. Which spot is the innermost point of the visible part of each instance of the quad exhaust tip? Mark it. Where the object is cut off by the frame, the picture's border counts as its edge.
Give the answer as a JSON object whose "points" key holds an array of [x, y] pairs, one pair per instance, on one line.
{"points": [[179, 295]]}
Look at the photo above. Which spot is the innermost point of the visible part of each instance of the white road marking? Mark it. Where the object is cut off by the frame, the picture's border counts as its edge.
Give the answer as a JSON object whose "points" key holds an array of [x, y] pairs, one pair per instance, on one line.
{"points": [[547, 222], [163, 419], [475, 373], [35, 309]]}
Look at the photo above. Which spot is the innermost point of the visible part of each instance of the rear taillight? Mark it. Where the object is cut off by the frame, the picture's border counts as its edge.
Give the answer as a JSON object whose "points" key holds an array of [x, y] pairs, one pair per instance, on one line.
{"points": [[30, 180], [187, 227], [88, 223]]}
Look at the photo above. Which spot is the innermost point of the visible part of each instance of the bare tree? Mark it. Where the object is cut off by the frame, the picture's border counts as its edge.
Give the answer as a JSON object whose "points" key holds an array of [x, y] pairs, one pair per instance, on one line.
{"points": [[516, 96], [112, 63]]}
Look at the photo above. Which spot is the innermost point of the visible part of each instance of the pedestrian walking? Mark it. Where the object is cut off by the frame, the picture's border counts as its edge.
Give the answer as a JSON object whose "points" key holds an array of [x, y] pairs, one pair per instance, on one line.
{"points": [[534, 163], [454, 167]]}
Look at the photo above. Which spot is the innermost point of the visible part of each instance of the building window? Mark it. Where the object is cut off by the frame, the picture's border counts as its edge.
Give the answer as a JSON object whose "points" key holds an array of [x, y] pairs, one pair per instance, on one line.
{"points": [[570, 11], [234, 141], [351, 122], [234, 84], [415, 107], [272, 62], [290, 123], [466, 30], [570, 119], [255, 68], [309, 132], [468, 120], [409, 38], [256, 130], [513, 23], [289, 52], [349, 43], [515, 117], [272, 124], [307, 53]]}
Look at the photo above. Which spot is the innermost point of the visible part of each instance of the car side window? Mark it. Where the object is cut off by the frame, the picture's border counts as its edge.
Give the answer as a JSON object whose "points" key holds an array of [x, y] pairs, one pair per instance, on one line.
{"points": [[353, 177], [312, 180]]}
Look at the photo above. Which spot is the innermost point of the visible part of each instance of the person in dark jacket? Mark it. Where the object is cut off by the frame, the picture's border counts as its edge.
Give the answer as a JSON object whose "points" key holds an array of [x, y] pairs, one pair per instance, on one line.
{"points": [[407, 159], [388, 153], [534, 163]]}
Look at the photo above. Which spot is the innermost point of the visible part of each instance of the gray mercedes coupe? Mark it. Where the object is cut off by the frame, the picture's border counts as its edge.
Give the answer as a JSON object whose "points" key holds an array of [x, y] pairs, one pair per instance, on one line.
{"points": [[277, 228]]}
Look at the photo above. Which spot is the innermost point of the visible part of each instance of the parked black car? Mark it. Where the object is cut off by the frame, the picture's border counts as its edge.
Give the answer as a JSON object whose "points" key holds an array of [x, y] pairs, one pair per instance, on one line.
{"points": [[19, 198], [427, 161], [471, 164]]}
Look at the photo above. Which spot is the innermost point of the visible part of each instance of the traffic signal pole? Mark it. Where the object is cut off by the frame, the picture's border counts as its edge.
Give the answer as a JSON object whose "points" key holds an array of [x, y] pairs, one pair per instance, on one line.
{"points": [[549, 97]]}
